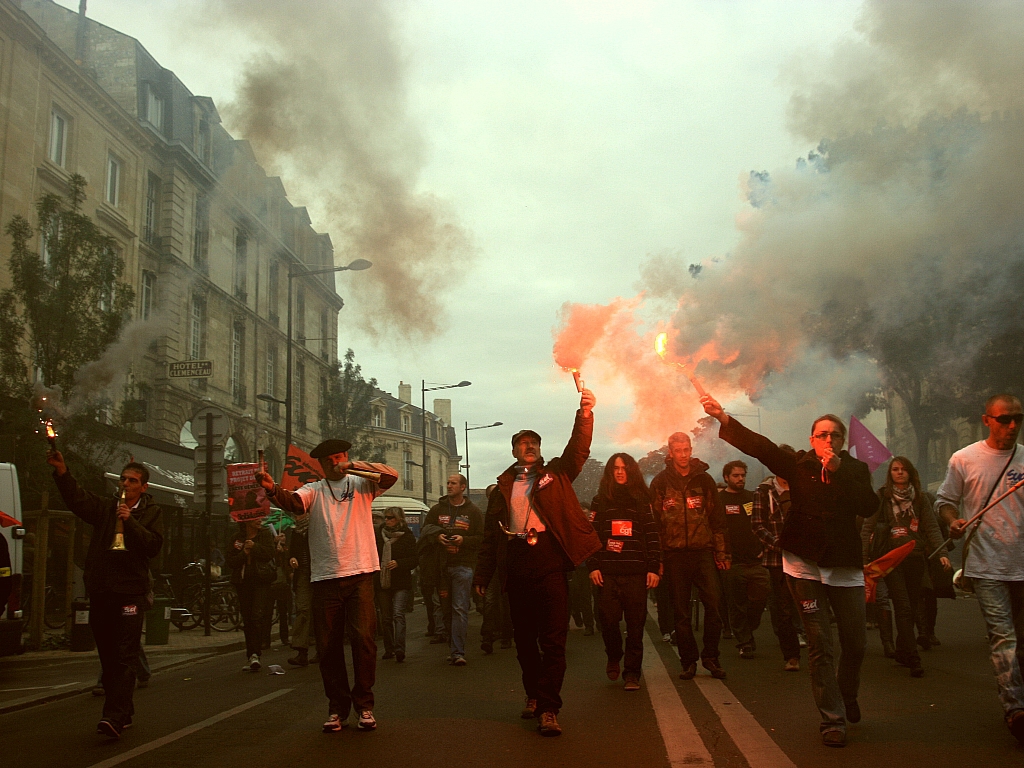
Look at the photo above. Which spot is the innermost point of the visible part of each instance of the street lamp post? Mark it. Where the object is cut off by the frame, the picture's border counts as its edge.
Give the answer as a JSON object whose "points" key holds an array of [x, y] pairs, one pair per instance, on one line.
{"points": [[423, 413], [468, 430], [358, 264]]}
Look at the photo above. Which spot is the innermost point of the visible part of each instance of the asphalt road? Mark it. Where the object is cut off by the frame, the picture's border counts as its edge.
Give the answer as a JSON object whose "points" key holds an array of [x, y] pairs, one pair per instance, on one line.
{"points": [[211, 713]]}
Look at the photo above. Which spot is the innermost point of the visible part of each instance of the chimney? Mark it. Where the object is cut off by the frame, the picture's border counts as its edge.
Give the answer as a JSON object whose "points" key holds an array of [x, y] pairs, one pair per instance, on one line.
{"points": [[80, 34], [443, 410], [405, 392]]}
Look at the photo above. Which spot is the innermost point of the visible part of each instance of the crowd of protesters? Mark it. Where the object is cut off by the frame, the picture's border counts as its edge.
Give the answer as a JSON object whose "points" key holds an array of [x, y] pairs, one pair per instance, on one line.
{"points": [[797, 546]]}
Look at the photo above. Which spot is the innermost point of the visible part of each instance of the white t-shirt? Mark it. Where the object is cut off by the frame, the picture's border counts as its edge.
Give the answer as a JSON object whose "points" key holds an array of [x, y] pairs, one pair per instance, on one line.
{"points": [[997, 549], [342, 541], [833, 576]]}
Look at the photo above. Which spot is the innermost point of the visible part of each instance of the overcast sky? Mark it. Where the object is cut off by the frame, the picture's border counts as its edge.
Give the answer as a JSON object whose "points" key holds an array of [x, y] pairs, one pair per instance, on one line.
{"points": [[572, 141]]}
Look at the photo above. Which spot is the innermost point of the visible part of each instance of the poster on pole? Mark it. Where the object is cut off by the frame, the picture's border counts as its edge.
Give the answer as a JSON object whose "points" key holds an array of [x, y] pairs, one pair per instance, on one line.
{"points": [[246, 498]]}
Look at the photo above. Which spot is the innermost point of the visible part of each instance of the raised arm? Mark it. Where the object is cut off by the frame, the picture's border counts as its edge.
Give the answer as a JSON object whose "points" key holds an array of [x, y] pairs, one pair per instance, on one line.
{"points": [[577, 450]]}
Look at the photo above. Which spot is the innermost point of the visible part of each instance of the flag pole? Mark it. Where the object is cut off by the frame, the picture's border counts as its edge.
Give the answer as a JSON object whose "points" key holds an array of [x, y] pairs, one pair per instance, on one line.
{"points": [[976, 520]]}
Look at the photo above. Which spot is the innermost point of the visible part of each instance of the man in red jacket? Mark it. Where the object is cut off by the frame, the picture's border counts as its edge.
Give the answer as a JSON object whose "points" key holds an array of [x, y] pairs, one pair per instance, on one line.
{"points": [[536, 530]]}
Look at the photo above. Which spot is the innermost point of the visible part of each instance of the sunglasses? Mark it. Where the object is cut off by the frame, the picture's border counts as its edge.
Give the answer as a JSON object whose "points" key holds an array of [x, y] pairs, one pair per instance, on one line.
{"points": [[1008, 418], [828, 435], [390, 517]]}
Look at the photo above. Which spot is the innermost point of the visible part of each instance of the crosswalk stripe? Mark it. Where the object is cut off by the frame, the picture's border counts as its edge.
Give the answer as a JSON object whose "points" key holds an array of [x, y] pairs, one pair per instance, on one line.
{"points": [[682, 741], [759, 749]]}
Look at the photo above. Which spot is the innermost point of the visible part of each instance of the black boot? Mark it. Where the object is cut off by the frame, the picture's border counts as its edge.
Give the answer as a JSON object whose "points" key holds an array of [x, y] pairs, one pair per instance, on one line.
{"points": [[885, 631], [300, 659]]}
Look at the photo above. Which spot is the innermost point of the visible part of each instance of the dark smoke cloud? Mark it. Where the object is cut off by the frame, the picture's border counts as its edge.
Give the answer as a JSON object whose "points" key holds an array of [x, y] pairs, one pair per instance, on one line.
{"points": [[324, 106]]}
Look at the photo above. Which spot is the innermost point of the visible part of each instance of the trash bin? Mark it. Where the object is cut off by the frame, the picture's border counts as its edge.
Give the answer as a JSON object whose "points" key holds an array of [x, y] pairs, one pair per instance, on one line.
{"points": [[81, 632], [158, 622]]}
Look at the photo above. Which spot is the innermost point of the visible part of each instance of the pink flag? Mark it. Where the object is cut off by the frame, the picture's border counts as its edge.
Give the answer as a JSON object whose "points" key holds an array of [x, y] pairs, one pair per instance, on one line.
{"points": [[866, 447]]}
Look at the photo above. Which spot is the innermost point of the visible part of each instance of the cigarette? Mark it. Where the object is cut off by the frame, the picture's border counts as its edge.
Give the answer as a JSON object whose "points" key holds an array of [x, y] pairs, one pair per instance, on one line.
{"points": [[577, 379]]}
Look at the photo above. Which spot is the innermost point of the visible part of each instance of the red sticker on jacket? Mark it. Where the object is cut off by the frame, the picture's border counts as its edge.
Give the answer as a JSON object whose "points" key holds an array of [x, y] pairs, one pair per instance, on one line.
{"points": [[899, 532], [614, 546], [622, 527], [913, 525], [130, 610], [733, 509], [695, 502]]}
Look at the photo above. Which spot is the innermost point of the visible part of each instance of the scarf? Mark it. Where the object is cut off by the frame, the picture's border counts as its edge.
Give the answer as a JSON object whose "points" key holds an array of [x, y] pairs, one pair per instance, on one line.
{"points": [[903, 502], [389, 537]]}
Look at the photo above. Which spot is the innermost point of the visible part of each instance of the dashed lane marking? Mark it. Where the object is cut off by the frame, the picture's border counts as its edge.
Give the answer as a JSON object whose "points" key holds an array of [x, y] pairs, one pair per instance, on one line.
{"points": [[759, 749], [188, 730], [682, 741]]}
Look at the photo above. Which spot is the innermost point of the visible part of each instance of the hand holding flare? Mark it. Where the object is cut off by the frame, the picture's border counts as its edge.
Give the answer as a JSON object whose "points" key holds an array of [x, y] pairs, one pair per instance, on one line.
{"points": [[661, 347]]}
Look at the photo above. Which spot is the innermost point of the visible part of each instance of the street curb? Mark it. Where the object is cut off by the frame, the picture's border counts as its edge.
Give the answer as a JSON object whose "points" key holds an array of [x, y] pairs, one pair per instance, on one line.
{"points": [[205, 653]]}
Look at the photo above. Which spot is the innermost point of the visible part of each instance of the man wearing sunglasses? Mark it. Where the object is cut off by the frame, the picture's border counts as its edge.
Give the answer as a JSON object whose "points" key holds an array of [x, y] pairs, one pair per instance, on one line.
{"points": [[993, 558], [830, 494]]}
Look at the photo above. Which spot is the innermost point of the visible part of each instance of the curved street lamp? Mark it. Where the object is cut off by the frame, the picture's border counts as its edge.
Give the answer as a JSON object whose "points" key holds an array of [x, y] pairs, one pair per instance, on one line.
{"points": [[423, 414]]}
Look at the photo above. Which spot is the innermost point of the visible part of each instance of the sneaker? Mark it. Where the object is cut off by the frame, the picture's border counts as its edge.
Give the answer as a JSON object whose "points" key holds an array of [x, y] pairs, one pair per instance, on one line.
{"points": [[688, 672], [1015, 722], [254, 663], [746, 653], [612, 670], [459, 661], [712, 666], [529, 710], [127, 724], [586, 633], [109, 729], [334, 724], [833, 738], [727, 634], [366, 721], [632, 684], [934, 641], [548, 725], [666, 638], [803, 639], [792, 665], [487, 647], [916, 670], [399, 657], [98, 691], [853, 712], [388, 655], [300, 659]]}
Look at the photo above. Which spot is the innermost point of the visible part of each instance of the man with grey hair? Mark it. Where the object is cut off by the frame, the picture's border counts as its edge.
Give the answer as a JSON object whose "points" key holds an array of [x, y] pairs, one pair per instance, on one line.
{"points": [[993, 559]]}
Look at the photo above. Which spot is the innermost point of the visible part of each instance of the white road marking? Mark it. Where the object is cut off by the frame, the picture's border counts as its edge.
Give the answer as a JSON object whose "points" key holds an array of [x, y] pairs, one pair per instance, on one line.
{"points": [[42, 687], [188, 730], [682, 741], [759, 749]]}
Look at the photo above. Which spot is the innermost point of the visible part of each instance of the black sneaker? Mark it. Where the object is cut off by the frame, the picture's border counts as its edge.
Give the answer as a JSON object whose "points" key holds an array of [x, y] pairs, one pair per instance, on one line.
{"points": [[108, 729], [688, 672], [487, 646], [853, 712]]}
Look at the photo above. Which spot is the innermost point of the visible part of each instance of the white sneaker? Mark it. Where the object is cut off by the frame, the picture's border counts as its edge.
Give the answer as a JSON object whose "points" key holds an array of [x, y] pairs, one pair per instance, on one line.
{"points": [[254, 663], [334, 724], [366, 721], [666, 638]]}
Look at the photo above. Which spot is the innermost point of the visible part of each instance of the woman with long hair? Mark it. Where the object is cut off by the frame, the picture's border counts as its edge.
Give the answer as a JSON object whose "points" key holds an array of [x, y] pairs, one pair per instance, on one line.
{"points": [[250, 555], [627, 564], [904, 514], [396, 547]]}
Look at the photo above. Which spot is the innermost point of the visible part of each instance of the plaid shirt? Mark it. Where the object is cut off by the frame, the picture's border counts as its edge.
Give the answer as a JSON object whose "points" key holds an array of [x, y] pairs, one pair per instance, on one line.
{"points": [[770, 508]]}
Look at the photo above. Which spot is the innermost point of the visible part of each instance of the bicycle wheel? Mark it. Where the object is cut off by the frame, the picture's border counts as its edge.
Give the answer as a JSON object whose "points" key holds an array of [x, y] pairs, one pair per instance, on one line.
{"points": [[191, 601], [53, 610], [224, 610]]}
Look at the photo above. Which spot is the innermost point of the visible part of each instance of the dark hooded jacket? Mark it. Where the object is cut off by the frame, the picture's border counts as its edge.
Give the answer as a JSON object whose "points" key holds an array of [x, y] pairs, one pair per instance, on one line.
{"points": [[106, 572], [555, 502], [822, 522], [687, 510], [465, 521]]}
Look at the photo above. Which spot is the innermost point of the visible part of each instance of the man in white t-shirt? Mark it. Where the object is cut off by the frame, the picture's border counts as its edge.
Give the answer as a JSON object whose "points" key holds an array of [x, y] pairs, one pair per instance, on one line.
{"points": [[343, 559], [994, 559]]}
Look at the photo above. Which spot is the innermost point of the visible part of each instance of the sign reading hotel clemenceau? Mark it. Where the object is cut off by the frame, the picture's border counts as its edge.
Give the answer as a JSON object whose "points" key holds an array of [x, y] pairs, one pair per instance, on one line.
{"points": [[190, 369]]}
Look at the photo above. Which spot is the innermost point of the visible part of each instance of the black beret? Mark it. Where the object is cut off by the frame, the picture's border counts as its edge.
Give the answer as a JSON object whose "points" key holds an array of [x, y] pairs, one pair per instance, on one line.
{"points": [[329, 448]]}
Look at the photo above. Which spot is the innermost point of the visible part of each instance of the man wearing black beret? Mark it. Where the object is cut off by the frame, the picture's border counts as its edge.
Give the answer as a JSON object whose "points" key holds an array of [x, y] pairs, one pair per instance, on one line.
{"points": [[343, 559]]}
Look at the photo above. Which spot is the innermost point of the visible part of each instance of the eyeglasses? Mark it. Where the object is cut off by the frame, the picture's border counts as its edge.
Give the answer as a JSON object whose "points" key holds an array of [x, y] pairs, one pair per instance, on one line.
{"points": [[828, 436], [1007, 418], [390, 517]]}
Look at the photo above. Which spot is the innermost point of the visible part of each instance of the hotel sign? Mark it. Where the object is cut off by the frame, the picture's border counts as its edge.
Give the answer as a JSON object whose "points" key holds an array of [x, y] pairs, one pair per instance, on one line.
{"points": [[190, 369]]}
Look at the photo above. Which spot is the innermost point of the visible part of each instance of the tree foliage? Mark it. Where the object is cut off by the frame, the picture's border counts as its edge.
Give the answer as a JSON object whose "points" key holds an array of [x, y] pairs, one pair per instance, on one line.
{"points": [[347, 410], [588, 481]]}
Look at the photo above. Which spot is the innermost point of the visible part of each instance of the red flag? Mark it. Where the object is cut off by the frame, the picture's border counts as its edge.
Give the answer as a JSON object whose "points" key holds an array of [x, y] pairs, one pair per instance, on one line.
{"points": [[882, 567], [6, 521], [299, 468], [866, 447]]}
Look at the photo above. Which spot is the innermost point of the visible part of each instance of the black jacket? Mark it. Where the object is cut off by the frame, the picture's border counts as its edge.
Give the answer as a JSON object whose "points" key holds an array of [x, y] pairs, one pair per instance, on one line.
{"points": [[465, 521], [263, 551], [822, 522], [403, 552], [634, 549], [106, 572], [686, 508]]}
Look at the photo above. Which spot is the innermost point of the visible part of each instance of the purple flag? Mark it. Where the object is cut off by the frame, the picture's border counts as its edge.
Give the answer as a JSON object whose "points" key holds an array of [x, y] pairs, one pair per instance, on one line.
{"points": [[866, 447]]}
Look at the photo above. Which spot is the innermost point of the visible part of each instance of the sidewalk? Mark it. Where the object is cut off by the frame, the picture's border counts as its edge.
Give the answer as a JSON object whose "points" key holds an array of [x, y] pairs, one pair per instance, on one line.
{"points": [[37, 677]]}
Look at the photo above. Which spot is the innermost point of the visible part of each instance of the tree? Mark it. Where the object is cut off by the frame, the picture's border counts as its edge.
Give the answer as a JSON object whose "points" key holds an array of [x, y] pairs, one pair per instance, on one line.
{"points": [[65, 306], [347, 410], [588, 481]]}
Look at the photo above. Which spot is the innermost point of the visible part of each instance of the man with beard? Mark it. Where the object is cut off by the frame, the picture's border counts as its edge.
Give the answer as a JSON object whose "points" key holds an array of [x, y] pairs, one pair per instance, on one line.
{"points": [[535, 532], [694, 546]]}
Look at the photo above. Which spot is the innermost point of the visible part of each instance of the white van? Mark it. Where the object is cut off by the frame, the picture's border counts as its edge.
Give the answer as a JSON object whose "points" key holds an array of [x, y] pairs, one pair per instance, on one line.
{"points": [[11, 562]]}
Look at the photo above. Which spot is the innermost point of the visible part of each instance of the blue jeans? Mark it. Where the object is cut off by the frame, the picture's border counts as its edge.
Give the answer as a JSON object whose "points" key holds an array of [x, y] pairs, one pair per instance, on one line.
{"points": [[461, 577], [1002, 605], [834, 686], [393, 603]]}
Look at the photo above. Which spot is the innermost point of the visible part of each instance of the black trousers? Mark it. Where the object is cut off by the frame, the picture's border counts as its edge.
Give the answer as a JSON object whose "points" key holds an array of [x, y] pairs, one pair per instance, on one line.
{"points": [[346, 607], [497, 623], [904, 585], [784, 615], [621, 597], [539, 607], [116, 623], [252, 602], [685, 569]]}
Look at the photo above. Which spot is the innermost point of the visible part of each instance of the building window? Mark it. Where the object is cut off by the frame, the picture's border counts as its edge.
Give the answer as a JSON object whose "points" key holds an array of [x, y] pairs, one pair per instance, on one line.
{"points": [[197, 329], [151, 230], [406, 422], [113, 180], [300, 315], [378, 417], [147, 294], [241, 263], [271, 377], [154, 108], [300, 395], [273, 302], [407, 470], [50, 241], [237, 355], [58, 139], [203, 141], [201, 233]]}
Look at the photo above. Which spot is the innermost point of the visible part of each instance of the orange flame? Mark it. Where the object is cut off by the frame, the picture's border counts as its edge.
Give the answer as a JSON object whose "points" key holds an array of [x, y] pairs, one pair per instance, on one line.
{"points": [[51, 433]]}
